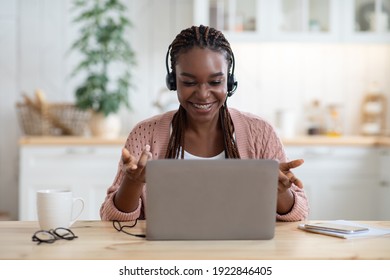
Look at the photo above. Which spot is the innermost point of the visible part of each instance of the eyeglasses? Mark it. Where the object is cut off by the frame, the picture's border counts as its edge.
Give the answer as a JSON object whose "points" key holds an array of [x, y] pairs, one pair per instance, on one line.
{"points": [[124, 228], [50, 236]]}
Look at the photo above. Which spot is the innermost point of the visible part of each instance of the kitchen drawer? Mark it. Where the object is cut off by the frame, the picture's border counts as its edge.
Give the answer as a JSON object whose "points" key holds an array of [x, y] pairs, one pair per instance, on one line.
{"points": [[341, 182], [350, 161], [86, 170]]}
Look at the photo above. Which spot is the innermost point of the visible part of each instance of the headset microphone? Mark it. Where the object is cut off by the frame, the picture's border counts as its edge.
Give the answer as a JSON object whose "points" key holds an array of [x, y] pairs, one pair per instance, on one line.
{"points": [[170, 78], [232, 83]]}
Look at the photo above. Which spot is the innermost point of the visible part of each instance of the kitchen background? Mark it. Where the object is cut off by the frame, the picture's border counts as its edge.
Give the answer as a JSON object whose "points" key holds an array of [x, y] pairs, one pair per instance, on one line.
{"points": [[281, 68]]}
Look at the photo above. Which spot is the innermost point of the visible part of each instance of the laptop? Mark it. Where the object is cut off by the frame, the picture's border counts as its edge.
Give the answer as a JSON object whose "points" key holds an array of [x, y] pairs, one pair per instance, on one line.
{"points": [[226, 199]]}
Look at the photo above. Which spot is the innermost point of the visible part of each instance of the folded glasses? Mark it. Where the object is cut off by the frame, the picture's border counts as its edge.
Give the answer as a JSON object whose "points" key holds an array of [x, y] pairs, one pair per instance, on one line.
{"points": [[50, 236]]}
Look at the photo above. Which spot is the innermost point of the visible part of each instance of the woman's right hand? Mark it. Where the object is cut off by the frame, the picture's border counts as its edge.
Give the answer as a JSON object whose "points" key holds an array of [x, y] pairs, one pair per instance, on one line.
{"points": [[135, 168]]}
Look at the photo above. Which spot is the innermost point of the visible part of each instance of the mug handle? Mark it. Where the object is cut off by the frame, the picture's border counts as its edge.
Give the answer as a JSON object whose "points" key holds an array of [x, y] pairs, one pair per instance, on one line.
{"points": [[81, 210]]}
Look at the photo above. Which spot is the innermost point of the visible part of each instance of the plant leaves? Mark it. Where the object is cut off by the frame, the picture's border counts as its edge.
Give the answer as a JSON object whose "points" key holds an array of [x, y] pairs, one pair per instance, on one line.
{"points": [[103, 42]]}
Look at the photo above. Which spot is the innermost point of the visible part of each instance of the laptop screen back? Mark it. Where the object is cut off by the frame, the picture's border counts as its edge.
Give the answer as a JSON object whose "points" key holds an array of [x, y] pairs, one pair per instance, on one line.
{"points": [[211, 199]]}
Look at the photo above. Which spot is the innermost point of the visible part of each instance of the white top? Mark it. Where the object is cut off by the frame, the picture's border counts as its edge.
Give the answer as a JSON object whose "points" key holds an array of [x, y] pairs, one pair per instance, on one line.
{"points": [[190, 156]]}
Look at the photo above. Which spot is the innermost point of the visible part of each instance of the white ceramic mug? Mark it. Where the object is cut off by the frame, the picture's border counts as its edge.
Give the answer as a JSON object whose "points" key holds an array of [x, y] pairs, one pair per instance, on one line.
{"points": [[55, 208]]}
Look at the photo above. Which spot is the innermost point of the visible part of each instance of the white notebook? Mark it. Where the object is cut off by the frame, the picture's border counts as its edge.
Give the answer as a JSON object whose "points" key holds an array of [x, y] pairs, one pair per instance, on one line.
{"points": [[371, 232]]}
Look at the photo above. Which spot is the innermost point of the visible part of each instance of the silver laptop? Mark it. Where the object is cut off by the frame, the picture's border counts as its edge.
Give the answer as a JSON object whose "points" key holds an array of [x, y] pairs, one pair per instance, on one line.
{"points": [[231, 199]]}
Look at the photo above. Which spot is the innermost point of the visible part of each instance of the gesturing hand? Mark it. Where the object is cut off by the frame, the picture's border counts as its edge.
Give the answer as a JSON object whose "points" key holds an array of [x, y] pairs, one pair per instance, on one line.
{"points": [[286, 177], [133, 168]]}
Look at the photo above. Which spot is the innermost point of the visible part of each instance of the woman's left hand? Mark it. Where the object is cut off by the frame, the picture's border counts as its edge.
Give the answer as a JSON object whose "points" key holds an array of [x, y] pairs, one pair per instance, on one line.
{"points": [[286, 177]]}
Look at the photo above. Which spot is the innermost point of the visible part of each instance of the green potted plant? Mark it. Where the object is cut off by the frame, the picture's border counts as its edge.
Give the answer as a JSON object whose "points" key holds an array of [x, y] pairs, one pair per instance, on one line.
{"points": [[107, 58]]}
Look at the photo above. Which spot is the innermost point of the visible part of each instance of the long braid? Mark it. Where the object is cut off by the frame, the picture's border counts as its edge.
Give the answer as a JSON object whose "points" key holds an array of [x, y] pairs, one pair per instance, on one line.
{"points": [[203, 37], [231, 150], [177, 136]]}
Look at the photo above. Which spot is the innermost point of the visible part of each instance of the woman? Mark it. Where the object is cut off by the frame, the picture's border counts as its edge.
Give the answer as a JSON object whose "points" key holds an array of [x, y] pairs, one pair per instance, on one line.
{"points": [[202, 127]]}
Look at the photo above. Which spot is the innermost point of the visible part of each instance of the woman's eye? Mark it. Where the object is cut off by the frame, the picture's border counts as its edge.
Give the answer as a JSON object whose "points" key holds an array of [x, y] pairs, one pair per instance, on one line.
{"points": [[215, 83], [188, 84]]}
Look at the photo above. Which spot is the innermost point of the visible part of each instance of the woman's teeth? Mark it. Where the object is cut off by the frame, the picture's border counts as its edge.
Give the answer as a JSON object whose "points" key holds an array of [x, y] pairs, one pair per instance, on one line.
{"points": [[200, 106]]}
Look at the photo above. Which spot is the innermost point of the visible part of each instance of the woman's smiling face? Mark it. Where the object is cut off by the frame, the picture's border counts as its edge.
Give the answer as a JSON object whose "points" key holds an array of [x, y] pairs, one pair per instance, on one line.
{"points": [[201, 76]]}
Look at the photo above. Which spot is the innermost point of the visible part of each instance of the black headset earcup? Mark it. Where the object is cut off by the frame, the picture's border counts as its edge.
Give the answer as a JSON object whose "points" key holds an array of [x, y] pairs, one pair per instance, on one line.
{"points": [[232, 84], [170, 80]]}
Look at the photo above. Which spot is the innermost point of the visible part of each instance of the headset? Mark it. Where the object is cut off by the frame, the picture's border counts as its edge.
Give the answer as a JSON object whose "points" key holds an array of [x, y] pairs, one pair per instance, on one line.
{"points": [[171, 77]]}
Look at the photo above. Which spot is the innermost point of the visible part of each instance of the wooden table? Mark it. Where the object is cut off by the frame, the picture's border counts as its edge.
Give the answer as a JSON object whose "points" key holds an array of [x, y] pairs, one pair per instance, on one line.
{"points": [[99, 240]]}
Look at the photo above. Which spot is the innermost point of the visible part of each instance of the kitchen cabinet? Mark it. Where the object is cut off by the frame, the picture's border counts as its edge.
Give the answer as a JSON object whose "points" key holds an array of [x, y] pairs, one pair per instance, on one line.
{"points": [[344, 178], [87, 170], [239, 20], [367, 21], [341, 182], [297, 20], [304, 15], [269, 20], [306, 20], [384, 184]]}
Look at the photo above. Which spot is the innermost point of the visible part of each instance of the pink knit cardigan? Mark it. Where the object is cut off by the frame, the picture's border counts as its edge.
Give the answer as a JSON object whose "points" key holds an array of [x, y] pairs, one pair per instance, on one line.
{"points": [[256, 139]]}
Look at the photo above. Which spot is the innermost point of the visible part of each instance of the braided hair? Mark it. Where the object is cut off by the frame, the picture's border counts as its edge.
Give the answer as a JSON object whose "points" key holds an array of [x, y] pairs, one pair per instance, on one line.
{"points": [[203, 37]]}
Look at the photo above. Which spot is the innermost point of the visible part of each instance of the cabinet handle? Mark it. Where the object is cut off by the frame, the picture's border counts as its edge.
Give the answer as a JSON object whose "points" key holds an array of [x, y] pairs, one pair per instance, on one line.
{"points": [[79, 151], [317, 152], [384, 184], [385, 152]]}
